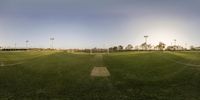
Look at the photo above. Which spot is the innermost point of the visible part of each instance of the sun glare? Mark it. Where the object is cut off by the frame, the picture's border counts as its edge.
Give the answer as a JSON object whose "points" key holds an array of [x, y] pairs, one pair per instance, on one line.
{"points": [[161, 30]]}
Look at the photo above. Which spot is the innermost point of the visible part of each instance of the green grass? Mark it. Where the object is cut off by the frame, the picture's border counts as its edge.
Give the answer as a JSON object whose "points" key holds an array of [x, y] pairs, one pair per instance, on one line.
{"points": [[134, 76]]}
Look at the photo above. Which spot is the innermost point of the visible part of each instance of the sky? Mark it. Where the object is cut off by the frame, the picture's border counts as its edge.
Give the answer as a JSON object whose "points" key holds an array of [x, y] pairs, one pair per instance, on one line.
{"points": [[98, 23]]}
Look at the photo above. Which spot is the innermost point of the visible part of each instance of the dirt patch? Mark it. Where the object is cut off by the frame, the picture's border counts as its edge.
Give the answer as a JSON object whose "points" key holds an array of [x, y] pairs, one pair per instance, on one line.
{"points": [[2, 64], [100, 72]]}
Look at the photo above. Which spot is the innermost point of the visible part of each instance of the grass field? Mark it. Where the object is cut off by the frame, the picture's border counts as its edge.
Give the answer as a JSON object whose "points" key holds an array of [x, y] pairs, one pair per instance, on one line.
{"points": [[53, 75]]}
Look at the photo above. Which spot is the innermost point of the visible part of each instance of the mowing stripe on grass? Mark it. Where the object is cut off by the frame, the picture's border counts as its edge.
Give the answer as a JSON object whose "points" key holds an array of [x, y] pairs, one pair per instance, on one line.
{"points": [[182, 63], [4, 65]]}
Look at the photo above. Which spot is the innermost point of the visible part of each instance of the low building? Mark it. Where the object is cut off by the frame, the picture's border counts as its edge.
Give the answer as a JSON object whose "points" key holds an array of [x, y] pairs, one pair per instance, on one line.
{"points": [[175, 47], [195, 48]]}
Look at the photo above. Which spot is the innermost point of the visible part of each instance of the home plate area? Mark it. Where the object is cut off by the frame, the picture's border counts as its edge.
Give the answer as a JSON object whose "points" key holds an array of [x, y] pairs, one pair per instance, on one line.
{"points": [[100, 72]]}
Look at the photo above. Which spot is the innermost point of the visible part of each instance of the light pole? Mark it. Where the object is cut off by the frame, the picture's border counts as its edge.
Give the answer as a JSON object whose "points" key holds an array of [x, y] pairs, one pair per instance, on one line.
{"points": [[108, 50], [185, 46], [27, 44], [51, 45], [145, 37], [91, 51], [175, 48], [174, 42], [15, 45]]}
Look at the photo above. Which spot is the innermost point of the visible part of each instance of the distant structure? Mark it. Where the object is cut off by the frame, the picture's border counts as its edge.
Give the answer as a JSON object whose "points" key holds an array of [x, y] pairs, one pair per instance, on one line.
{"points": [[185, 46], [174, 42], [51, 45], [145, 44], [15, 45], [27, 41], [195, 48], [108, 51], [90, 51], [175, 48], [146, 36]]}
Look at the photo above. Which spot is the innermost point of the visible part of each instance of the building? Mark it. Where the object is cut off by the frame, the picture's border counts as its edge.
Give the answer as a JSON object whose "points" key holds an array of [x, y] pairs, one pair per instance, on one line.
{"points": [[195, 48], [175, 47]]}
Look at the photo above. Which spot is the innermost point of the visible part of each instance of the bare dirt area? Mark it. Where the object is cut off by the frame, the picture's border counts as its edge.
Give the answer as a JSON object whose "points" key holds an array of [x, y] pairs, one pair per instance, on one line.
{"points": [[100, 72]]}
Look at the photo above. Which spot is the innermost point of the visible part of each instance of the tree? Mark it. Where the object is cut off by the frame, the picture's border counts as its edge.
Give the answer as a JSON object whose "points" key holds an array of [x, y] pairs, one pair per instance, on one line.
{"points": [[145, 46], [136, 47], [111, 49], [129, 47], [161, 46], [120, 47], [115, 48]]}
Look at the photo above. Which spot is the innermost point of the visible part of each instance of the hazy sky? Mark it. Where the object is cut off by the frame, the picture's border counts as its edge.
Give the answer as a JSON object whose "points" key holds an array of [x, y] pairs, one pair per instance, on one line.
{"points": [[98, 23]]}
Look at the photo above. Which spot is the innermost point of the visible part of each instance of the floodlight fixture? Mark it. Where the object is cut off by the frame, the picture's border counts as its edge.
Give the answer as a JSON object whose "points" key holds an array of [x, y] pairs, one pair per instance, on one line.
{"points": [[175, 41], [27, 41], [52, 39], [146, 36]]}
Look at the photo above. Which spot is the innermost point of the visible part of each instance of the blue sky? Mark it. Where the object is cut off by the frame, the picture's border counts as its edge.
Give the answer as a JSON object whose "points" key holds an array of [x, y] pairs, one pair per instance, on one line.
{"points": [[98, 23]]}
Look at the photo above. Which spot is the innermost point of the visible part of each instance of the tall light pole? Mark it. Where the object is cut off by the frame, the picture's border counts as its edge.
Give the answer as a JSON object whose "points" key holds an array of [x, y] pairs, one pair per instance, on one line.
{"points": [[27, 44], [15, 45], [91, 51], [175, 48], [185, 46], [51, 45], [145, 37], [108, 51], [174, 42]]}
